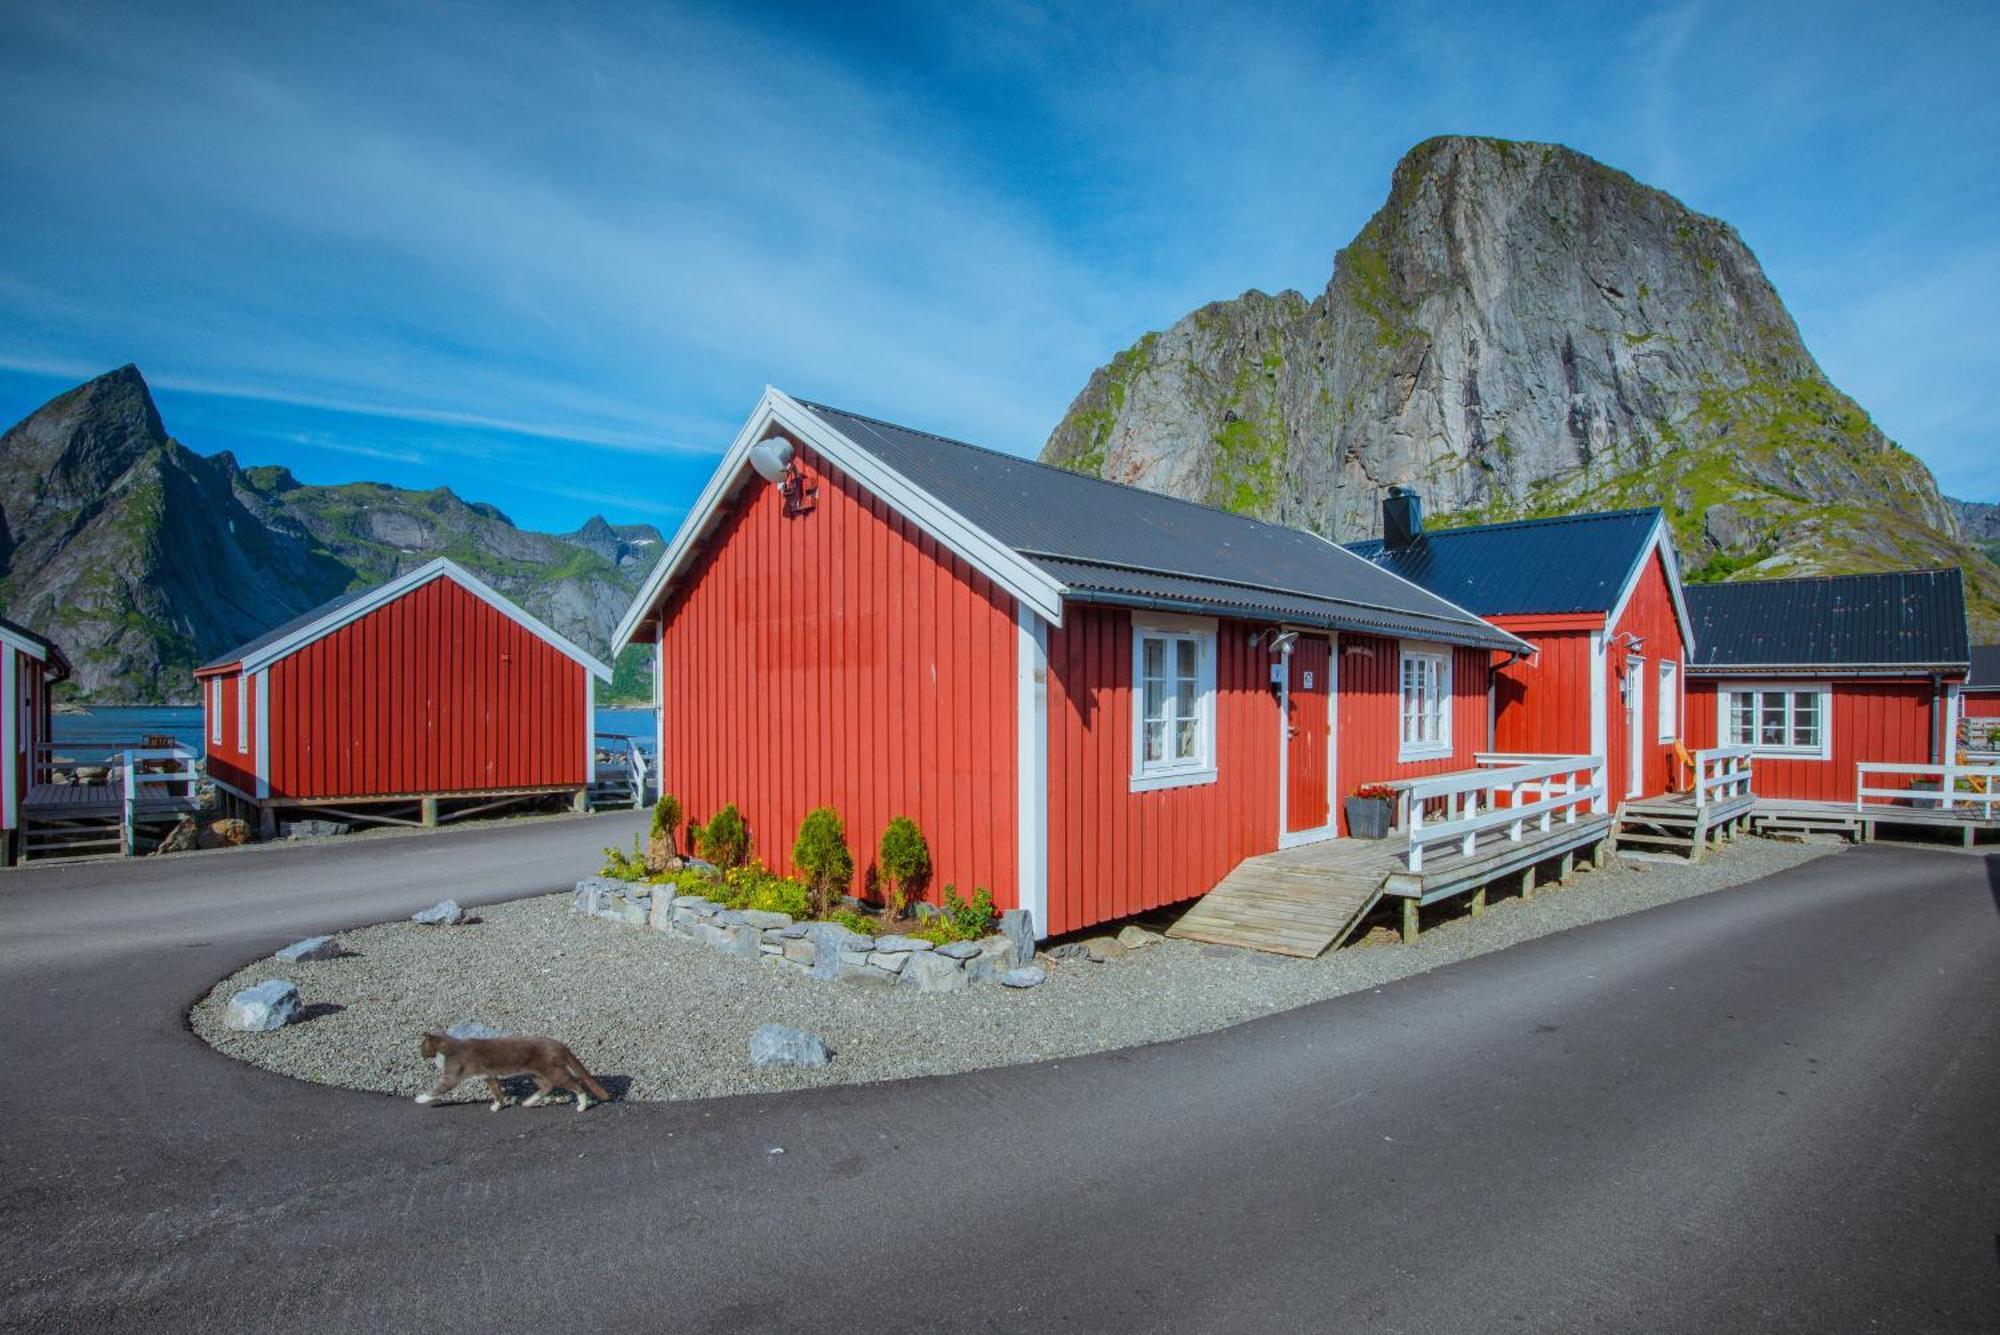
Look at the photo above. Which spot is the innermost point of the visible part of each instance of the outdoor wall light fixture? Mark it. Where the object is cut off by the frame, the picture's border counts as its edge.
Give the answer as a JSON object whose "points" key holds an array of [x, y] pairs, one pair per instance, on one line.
{"points": [[776, 461]]}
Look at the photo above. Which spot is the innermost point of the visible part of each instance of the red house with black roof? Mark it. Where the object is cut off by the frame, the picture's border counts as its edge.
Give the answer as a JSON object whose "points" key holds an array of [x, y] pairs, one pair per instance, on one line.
{"points": [[1598, 598], [1982, 693], [1825, 673], [1094, 700]]}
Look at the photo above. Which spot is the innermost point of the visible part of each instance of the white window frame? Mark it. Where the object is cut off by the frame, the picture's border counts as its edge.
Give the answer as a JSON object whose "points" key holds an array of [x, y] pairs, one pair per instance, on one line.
{"points": [[215, 711], [1424, 748], [243, 716], [1151, 776], [1725, 698], [1670, 700]]}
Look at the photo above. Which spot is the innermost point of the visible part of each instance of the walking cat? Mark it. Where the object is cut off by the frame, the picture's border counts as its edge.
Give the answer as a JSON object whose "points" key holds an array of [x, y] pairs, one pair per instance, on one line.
{"points": [[552, 1066]]}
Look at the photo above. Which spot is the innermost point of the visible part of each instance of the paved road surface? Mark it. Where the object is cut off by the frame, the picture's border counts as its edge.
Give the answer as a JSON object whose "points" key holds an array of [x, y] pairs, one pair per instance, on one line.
{"points": [[1768, 1108]]}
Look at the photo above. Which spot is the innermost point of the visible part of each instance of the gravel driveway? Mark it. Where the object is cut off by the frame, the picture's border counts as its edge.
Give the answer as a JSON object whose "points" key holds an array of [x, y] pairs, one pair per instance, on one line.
{"points": [[658, 1018]]}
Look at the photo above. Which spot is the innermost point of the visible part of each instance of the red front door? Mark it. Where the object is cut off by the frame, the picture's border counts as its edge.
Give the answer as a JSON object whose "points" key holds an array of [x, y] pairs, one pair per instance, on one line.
{"points": [[1306, 735]]}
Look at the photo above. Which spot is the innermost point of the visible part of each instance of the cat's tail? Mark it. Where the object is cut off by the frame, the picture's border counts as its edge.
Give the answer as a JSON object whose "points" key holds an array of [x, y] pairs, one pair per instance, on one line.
{"points": [[584, 1078]]}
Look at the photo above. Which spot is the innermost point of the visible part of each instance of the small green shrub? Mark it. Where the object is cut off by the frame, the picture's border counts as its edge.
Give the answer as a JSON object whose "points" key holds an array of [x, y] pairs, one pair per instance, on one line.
{"points": [[623, 866], [958, 920], [725, 840], [667, 823], [905, 860], [820, 853], [854, 920], [756, 887]]}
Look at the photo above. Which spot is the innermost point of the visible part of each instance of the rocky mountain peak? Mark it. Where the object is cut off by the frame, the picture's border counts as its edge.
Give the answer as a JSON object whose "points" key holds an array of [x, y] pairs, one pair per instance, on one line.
{"points": [[1522, 330], [82, 440]]}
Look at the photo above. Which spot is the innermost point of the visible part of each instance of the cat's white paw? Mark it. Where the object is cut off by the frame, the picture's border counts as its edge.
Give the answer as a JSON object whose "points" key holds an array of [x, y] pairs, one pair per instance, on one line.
{"points": [[495, 1107], [423, 1098], [581, 1103]]}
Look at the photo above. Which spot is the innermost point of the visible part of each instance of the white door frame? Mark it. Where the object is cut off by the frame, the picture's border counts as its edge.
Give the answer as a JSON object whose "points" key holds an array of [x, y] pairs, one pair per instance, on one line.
{"points": [[1291, 839], [1635, 725]]}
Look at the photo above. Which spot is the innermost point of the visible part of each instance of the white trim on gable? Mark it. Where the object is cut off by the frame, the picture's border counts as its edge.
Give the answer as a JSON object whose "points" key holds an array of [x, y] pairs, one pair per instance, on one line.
{"points": [[442, 568], [1659, 540], [981, 550], [25, 645]]}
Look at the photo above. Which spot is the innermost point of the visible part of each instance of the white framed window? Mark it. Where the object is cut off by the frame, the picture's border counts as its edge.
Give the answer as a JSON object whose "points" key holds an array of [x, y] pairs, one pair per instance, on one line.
{"points": [[1173, 702], [1426, 702], [243, 715], [215, 711], [1779, 718], [1670, 701]]}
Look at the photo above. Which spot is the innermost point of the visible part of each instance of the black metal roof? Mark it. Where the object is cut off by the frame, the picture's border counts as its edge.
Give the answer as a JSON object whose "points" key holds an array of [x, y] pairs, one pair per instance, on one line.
{"points": [[1112, 543], [1903, 620], [1985, 674], [1529, 567], [279, 632], [47, 645]]}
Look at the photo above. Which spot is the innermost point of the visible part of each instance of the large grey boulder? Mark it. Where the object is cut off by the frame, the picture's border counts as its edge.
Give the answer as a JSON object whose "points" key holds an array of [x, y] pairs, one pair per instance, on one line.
{"points": [[832, 943], [1028, 977], [782, 1045], [271, 1004], [934, 973], [444, 913], [891, 945], [312, 948], [958, 950], [594, 893], [994, 956], [1018, 926]]}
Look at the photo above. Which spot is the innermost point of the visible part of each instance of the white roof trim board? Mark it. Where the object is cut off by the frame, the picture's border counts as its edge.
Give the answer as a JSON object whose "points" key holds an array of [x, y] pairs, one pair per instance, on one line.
{"points": [[1661, 541], [442, 568], [26, 646], [981, 550]]}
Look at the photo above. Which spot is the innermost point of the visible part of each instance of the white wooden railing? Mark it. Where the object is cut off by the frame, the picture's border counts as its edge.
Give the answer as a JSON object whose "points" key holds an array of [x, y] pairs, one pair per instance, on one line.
{"points": [[1982, 782], [623, 750], [1722, 773], [152, 774], [1509, 796]]}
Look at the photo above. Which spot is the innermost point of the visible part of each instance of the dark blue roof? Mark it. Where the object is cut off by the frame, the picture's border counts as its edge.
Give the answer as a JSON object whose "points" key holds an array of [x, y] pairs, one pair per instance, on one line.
{"points": [[1908, 619], [1531, 567]]}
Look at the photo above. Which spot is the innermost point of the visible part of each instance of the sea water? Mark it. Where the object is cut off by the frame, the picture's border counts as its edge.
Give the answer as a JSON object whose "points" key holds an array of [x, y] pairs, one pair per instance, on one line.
{"points": [[105, 727]]}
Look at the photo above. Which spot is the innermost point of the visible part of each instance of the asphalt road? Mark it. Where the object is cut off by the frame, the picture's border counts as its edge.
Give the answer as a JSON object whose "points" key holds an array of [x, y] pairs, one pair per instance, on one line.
{"points": [[1768, 1108]]}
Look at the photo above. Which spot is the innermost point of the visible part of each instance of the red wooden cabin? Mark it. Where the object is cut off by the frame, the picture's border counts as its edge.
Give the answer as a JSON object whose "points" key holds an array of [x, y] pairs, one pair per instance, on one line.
{"points": [[1094, 700], [1599, 598], [30, 665], [430, 686], [1981, 696], [1825, 673]]}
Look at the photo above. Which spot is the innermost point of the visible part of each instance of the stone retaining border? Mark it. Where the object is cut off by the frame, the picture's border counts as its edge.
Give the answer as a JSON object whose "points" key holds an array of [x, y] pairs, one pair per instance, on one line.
{"points": [[824, 950]]}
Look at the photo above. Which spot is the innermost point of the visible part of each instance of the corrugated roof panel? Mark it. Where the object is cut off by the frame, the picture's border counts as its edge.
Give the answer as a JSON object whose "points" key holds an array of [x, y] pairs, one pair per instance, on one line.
{"points": [[1046, 512], [1556, 566], [279, 632], [1904, 618], [1985, 675]]}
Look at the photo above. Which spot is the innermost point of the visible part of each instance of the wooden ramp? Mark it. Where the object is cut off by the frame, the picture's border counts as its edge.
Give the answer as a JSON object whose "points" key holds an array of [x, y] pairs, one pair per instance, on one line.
{"points": [[1673, 824], [1288, 905]]}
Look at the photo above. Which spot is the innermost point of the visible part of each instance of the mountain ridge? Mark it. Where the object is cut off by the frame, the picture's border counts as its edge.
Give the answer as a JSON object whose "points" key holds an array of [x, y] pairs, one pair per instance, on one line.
{"points": [[1521, 330], [144, 558]]}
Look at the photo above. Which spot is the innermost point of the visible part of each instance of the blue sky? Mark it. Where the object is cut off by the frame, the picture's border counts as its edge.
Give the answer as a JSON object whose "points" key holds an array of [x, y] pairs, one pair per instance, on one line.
{"points": [[548, 255]]}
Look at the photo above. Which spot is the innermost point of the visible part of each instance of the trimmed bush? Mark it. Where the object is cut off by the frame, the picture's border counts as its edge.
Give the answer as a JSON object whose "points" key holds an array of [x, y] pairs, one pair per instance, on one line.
{"points": [[664, 842], [905, 861], [725, 840], [820, 853]]}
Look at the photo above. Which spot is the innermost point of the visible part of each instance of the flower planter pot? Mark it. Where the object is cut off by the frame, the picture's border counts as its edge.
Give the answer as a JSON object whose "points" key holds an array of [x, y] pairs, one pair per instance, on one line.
{"points": [[1368, 817]]}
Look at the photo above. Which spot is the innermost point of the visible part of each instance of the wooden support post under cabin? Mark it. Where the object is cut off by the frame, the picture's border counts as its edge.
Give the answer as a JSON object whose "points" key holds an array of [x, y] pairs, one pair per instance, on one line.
{"points": [[1479, 901], [7, 839], [1528, 882], [1409, 921], [267, 824], [430, 813], [581, 802], [1600, 854], [1568, 868]]}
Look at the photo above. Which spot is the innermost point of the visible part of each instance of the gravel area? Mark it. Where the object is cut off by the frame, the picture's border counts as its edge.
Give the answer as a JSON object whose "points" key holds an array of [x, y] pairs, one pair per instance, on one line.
{"points": [[659, 1018]]}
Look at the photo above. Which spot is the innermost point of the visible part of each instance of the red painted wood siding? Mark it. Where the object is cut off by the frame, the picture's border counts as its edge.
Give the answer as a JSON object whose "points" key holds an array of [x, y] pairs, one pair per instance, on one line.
{"points": [[1649, 615], [1114, 852], [1885, 721], [1542, 704], [1984, 704], [227, 762], [1370, 708], [436, 692], [843, 658]]}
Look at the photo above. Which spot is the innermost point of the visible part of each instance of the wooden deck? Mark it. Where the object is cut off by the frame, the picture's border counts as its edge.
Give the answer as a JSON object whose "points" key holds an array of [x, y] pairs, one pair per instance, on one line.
{"points": [[1672, 823], [1304, 901], [1794, 816]]}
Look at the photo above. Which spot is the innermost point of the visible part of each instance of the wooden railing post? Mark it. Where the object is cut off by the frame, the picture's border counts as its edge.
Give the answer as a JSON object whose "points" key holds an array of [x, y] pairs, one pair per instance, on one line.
{"points": [[1416, 828], [130, 831]]}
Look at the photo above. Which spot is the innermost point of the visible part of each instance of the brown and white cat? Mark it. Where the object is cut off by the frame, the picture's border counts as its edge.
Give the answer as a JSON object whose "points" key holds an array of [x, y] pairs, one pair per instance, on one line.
{"points": [[552, 1066]]}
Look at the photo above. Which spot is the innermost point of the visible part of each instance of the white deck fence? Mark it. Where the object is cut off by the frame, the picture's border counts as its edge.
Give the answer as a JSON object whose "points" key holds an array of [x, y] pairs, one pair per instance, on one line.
{"points": [[1514, 797], [155, 774], [1974, 789], [1721, 774]]}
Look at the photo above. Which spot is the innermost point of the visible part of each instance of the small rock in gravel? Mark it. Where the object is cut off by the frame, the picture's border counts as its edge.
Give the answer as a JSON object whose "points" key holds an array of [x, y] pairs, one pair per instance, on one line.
{"points": [[312, 948], [1027, 977], [444, 913], [891, 945], [271, 1004], [1104, 949], [1073, 950], [957, 950], [1134, 937], [782, 1045]]}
